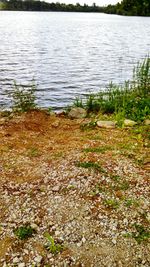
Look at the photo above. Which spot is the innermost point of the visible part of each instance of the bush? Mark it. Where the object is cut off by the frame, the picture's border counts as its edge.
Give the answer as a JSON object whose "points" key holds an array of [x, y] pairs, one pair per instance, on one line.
{"points": [[23, 98], [132, 100]]}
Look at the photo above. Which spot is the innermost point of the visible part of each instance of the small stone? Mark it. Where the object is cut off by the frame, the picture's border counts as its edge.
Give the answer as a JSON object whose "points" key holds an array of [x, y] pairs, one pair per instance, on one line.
{"points": [[55, 124], [77, 113], [129, 123], [15, 260], [83, 240], [114, 241], [38, 259], [106, 124], [56, 188], [22, 264]]}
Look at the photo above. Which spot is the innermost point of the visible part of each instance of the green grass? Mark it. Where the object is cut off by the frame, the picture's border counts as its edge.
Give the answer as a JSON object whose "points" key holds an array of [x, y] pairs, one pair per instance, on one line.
{"points": [[141, 233], [131, 100], [52, 246], [97, 149], [24, 232], [111, 203], [90, 165]]}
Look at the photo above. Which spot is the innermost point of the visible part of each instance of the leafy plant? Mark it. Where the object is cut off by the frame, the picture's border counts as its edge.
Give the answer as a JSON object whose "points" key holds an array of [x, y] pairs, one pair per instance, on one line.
{"points": [[24, 232], [52, 246], [23, 98]]}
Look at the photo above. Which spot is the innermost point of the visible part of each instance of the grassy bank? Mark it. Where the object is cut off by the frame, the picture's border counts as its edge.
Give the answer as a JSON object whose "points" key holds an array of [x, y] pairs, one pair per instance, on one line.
{"points": [[131, 100]]}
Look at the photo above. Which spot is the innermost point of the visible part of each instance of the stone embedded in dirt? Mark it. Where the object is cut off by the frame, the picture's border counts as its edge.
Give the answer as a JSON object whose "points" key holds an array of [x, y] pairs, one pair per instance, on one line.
{"points": [[129, 123], [2, 121], [106, 124], [22, 264], [55, 124], [56, 188], [147, 122], [38, 259], [77, 113]]}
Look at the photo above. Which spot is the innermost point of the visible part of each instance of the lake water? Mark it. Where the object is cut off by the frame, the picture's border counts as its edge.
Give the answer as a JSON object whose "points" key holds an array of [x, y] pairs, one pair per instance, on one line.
{"points": [[68, 54]]}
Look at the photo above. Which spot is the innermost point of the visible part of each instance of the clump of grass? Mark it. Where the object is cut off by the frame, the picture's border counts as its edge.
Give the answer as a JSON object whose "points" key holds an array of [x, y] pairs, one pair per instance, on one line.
{"points": [[111, 203], [90, 165], [131, 100], [33, 152], [52, 246], [88, 126], [141, 233], [24, 232], [97, 149], [23, 98]]}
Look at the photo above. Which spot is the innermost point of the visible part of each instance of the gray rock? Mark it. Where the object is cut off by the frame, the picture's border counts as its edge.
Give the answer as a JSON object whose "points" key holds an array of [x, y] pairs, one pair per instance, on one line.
{"points": [[16, 260], [129, 123], [106, 124], [77, 113]]}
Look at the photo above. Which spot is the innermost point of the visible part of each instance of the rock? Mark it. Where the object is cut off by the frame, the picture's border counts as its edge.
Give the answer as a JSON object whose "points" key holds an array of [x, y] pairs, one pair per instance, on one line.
{"points": [[15, 260], [129, 123], [2, 121], [77, 113], [38, 259], [147, 122], [22, 264], [106, 124], [56, 188], [55, 124]]}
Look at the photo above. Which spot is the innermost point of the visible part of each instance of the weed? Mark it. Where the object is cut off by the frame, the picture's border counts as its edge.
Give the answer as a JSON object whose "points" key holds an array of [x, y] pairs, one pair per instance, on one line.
{"points": [[23, 98], [115, 178], [88, 126], [141, 233], [131, 100], [33, 152], [24, 232], [90, 165], [97, 149], [111, 203], [52, 246], [130, 202]]}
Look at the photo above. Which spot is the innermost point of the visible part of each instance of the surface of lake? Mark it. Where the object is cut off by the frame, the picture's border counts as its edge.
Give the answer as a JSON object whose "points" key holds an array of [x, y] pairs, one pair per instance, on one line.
{"points": [[68, 54]]}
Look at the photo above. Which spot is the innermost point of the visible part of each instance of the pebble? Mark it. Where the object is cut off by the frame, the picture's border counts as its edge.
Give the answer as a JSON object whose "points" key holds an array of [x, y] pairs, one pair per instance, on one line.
{"points": [[56, 188], [22, 264], [16, 260], [38, 259]]}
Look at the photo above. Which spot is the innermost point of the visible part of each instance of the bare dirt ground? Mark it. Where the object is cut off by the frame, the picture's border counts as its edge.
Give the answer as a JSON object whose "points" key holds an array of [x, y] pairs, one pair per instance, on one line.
{"points": [[87, 188]]}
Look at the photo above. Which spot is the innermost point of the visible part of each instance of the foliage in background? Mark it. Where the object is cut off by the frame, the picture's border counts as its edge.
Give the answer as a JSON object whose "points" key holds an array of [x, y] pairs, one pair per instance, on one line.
{"points": [[23, 99], [130, 8], [131, 101]]}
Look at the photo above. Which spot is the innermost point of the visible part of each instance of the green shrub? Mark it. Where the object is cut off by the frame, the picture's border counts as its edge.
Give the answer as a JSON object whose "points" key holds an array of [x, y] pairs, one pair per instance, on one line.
{"points": [[24, 232], [131, 100], [23, 99]]}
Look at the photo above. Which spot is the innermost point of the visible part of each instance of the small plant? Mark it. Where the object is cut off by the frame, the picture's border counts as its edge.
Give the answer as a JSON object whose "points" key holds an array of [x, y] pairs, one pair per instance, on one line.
{"points": [[130, 202], [23, 98], [141, 233], [52, 246], [33, 152], [111, 203], [24, 232], [90, 165], [88, 126], [97, 149]]}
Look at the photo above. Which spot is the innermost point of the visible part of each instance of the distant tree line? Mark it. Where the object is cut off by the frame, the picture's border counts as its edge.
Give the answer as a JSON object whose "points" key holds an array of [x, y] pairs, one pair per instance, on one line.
{"points": [[36, 5], [130, 8], [126, 7]]}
